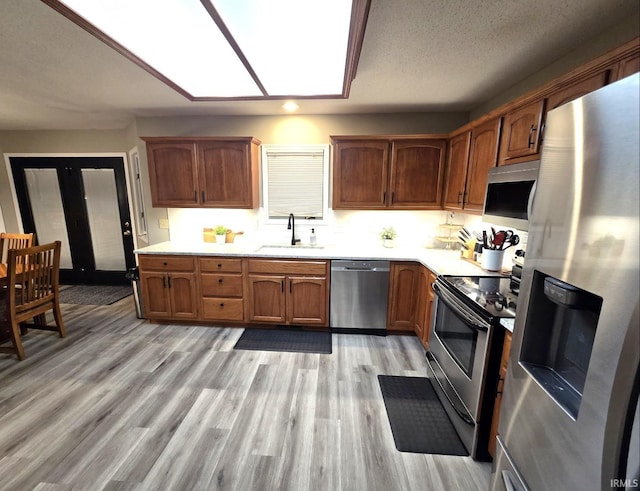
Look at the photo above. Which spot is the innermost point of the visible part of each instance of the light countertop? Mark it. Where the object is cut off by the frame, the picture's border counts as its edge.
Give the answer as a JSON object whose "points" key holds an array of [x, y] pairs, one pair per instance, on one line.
{"points": [[440, 261]]}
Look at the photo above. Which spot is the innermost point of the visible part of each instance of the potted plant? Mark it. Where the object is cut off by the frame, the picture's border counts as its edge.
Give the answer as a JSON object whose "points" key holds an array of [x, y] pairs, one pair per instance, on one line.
{"points": [[221, 234], [387, 235]]}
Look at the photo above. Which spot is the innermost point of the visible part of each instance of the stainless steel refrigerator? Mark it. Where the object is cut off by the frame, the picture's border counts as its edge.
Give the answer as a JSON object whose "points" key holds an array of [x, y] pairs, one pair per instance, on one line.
{"points": [[569, 417]]}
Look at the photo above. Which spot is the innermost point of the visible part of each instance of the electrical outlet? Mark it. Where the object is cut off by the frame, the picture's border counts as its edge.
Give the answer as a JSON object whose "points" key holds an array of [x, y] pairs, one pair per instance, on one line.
{"points": [[163, 223]]}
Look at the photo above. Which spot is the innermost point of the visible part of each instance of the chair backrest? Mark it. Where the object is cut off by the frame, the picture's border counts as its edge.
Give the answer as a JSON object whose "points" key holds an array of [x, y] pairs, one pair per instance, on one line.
{"points": [[13, 241], [33, 274]]}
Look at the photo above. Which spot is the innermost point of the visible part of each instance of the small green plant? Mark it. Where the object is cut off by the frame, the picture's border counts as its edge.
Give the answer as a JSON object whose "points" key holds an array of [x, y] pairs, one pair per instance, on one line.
{"points": [[220, 230], [388, 233]]}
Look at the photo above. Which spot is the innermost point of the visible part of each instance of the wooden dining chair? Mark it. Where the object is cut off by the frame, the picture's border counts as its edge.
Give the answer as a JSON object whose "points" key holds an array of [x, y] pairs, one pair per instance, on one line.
{"points": [[31, 291], [13, 241]]}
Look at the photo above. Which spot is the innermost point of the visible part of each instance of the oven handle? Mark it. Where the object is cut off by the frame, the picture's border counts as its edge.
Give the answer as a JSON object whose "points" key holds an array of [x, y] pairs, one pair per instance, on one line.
{"points": [[465, 417], [460, 311]]}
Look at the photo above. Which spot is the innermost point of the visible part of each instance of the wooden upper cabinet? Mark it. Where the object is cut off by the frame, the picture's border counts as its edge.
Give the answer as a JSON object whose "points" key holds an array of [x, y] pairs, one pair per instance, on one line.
{"points": [[225, 173], [384, 173], [203, 172], [360, 174], [417, 168], [456, 175], [583, 87], [172, 173], [483, 155], [627, 67], [521, 132]]}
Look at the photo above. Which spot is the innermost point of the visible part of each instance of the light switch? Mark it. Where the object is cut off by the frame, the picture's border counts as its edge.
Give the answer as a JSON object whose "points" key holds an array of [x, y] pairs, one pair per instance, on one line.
{"points": [[163, 223]]}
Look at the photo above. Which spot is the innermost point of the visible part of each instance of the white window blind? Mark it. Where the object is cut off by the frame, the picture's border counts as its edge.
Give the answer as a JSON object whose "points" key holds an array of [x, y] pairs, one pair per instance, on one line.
{"points": [[295, 180]]}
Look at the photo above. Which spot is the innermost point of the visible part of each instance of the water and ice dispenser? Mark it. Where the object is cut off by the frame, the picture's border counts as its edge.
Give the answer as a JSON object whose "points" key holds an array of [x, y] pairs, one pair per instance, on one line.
{"points": [[558, 338]]}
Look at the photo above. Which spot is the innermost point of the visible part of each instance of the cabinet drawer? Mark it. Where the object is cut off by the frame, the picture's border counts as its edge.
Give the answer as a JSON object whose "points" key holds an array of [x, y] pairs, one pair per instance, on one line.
{"points": [[317, 268], [221, 285], [230, 309], [166, 263], [220, 265]]}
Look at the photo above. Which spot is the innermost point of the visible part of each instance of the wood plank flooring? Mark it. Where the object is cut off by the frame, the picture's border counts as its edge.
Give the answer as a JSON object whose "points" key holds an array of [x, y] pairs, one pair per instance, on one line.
{"points": [[123, 404]]}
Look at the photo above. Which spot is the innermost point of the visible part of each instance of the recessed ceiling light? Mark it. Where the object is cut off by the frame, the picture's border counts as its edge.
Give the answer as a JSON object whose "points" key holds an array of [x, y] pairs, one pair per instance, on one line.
{"points": [[290, 106]]}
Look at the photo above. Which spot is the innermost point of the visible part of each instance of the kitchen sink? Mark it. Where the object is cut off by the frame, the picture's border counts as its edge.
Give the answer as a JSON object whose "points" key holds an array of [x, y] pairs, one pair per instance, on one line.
{"points": [[279, 247]]}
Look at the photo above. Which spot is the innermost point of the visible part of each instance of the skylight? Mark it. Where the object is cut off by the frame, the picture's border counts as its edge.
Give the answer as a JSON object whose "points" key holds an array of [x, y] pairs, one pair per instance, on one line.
{"points": [[217, 49]]}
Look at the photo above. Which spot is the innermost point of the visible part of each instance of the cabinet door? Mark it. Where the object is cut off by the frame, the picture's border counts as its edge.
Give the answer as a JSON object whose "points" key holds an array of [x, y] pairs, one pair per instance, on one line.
{"points": [[172, 174], [521, 131], [483, 155], [360, 175], [506, 348], [576, 90], [183, 295], [224, 172], [307, 300], [456, 174], [266, 298], [155, 295], [402, 296], [431, 296], [628, 66], [417, 168]]}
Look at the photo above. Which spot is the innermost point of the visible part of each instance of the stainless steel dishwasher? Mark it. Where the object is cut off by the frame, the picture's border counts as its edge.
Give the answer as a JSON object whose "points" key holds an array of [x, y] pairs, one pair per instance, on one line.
{"points": [[359, 292]]}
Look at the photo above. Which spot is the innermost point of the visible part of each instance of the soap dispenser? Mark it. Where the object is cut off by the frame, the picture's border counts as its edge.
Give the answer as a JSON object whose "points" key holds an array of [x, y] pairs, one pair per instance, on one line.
{"points": [[313, 240]]}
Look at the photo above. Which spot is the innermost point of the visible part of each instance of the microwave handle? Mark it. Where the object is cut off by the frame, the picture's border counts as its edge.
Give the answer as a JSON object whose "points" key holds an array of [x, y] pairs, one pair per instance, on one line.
{"points": [[532, 197]]}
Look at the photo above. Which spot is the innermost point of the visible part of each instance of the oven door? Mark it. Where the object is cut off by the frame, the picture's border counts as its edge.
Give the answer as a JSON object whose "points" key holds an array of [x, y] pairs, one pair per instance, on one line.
{"points": [[459, 342]]}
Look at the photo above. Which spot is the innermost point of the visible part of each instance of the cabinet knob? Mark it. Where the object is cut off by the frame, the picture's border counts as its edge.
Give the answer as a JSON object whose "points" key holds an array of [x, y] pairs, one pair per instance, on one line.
{"points": [[164, 264], [222, 305], [220, 280], [219, 265]]}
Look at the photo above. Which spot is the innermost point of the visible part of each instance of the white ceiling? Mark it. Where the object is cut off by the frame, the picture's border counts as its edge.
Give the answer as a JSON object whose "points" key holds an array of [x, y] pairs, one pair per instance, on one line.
{"points": [[418, 55]]}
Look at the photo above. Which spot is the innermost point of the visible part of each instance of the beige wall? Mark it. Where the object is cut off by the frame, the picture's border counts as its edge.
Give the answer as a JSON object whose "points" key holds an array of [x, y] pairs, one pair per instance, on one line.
{"points": [[599, 45]]}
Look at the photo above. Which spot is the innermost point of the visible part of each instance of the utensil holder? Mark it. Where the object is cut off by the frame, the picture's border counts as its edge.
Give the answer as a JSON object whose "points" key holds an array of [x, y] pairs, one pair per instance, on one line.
{"points": [[492, 259]]}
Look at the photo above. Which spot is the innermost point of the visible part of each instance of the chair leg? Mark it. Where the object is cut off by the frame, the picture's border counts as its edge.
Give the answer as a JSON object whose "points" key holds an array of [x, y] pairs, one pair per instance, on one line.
{"points": [[57, 315], [14, 332]]}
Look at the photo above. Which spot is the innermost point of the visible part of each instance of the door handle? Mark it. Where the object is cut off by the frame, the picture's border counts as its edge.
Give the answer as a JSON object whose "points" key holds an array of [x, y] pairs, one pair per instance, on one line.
{"points": [[126, 232]]}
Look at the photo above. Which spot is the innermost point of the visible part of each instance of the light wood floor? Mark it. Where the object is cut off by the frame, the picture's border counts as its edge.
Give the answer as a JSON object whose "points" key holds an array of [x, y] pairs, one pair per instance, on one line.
{"points": [[122, 404]]}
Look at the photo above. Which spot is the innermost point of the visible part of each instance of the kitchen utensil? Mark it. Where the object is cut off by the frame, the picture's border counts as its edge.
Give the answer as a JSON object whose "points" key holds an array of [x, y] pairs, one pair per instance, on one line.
{"points": [[498, 239], [515, 240], [485, 244]]}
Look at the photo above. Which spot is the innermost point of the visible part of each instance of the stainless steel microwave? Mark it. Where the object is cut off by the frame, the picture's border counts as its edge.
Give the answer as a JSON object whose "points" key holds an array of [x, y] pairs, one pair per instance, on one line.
{"points": [[510, 193]]}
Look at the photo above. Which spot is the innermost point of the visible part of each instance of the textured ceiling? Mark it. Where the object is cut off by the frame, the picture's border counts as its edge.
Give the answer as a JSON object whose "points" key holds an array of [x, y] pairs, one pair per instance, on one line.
{"points": [[418, 55]]}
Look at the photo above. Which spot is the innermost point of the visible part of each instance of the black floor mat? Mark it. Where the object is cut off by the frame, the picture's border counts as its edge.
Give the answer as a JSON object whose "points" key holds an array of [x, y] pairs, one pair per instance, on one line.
{"points": [[93, 294], [418, 421], [285, 339]]}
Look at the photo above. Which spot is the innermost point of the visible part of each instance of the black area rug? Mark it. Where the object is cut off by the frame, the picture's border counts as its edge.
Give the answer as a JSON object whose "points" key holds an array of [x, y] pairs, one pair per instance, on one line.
{"points": [[418, 421], [94, 294], [285, 339]]}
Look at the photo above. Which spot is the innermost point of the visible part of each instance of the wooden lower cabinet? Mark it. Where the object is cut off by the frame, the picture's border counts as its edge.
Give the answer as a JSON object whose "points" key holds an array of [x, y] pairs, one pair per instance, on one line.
{"points": [[221, 289], [403, 282], [506, 348], [288, 292], [168, 286], [425, 305]]}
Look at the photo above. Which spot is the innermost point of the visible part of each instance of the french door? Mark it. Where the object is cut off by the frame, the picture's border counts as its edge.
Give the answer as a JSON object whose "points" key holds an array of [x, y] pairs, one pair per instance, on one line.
{"points": [[81, 201]]}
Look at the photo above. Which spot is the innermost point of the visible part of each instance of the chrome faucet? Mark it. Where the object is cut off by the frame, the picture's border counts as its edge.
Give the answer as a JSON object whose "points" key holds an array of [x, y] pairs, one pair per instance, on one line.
{"points": [[291, 225]]}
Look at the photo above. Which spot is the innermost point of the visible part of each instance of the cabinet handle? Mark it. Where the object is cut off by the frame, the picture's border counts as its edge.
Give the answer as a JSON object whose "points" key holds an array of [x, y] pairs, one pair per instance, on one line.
{"points": [[164, 282], [384, 197], [169, 280], [282, 285], [290, 286], [532, 130], [222, 305], [393, 196], [195, 196], [460, 197], [219, 265], [164, 264], [498, 388], [220, 280], [203, 196]]}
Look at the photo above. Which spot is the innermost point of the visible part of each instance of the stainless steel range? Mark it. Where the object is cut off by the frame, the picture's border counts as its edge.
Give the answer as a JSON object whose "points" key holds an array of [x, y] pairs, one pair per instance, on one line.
{"points": [[464, 351]]}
